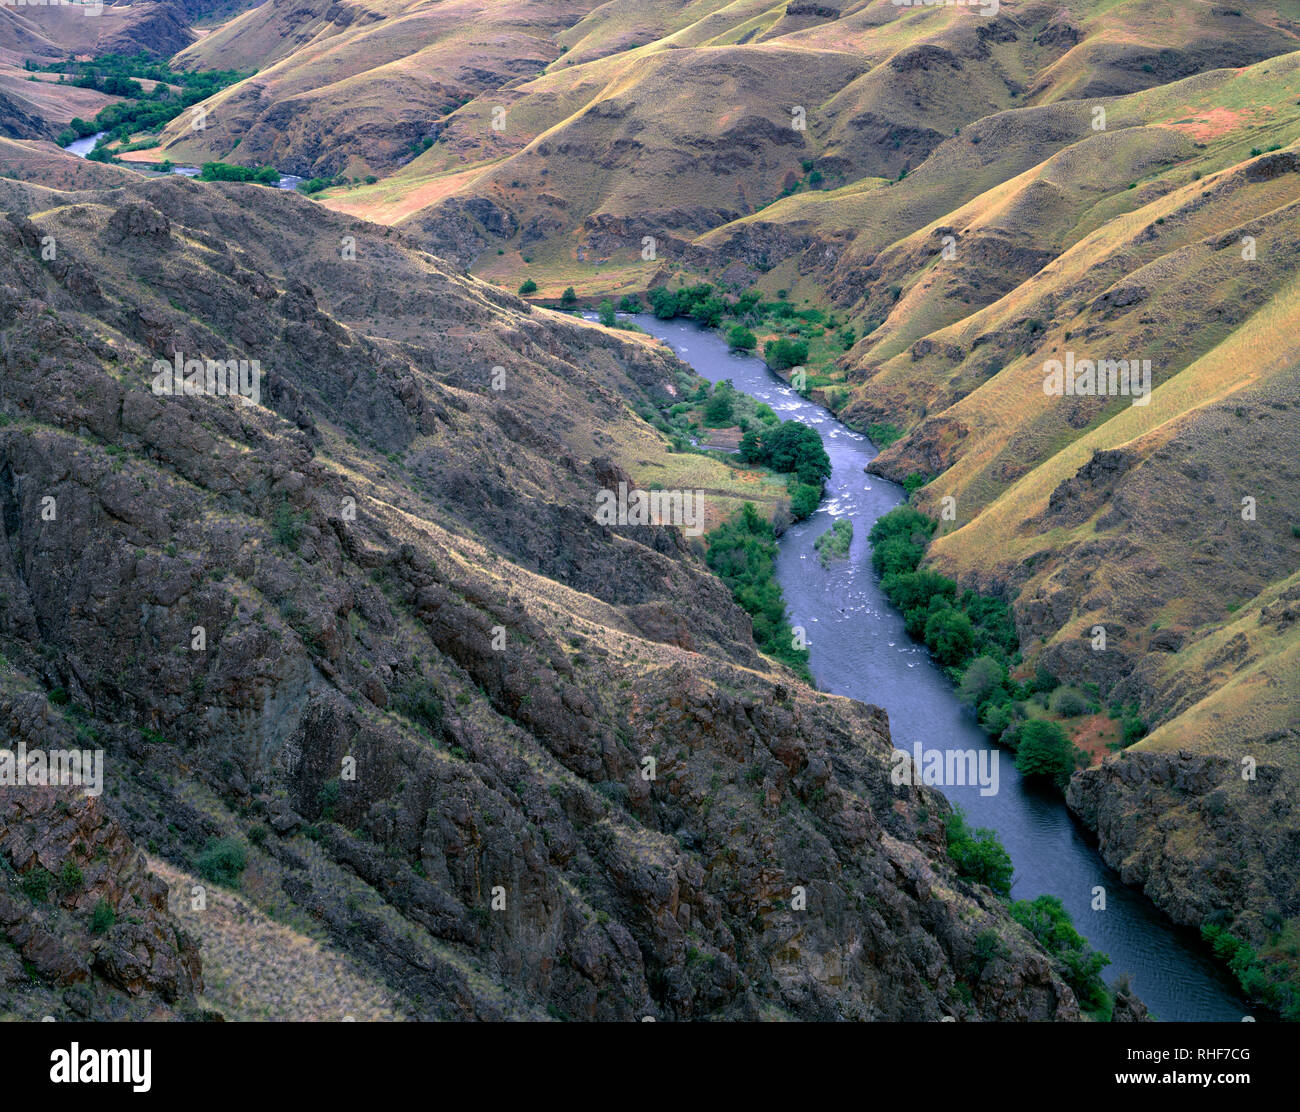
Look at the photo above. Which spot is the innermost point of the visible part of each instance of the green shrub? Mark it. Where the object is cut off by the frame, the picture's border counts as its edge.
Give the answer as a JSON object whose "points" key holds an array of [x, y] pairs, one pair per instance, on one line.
{"points": [[222, 861], [1078, 964], [569, 298], [70, 879], [1069, 702], [528, 286], [983, 676], [1045, 752], [719, 410], [286, 526], [327, 799], [914, 482], [883, 435], [742, 553], [784, 353], [421, 704], [804, 499], [835, 542], [977, 854], [950, 636], [102, 917], [36, 884], [262, 175], [740, 338], [606, 313], [997, 718], [1044, 681]]}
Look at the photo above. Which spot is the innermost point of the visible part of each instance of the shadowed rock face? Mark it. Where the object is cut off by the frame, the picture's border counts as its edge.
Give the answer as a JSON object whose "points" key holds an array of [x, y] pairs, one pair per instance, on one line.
{"points": [[99, 942], [19, 120], [369, 630]]}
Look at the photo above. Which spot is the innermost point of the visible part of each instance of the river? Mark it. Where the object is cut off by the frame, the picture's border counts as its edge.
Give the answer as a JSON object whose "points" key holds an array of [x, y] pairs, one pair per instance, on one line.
{"points": [[859, 648], [82, 147]]}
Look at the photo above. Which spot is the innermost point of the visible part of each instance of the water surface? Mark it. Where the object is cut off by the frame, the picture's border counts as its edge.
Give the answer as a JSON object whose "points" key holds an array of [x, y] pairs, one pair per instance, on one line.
{"points": [[859, 648]]}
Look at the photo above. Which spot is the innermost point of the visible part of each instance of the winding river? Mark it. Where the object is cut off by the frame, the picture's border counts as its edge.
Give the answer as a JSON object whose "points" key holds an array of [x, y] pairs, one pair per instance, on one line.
{"points": [[859, 648], [82, 147]]}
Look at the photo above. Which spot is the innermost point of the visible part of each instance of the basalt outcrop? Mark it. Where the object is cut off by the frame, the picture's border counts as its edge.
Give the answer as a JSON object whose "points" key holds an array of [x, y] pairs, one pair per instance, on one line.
{"points": [[362, 633]]}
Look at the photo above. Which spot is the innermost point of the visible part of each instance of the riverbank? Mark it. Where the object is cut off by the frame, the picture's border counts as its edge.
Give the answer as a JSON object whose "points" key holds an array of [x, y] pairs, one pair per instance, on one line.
{"points": [[860, 648]]}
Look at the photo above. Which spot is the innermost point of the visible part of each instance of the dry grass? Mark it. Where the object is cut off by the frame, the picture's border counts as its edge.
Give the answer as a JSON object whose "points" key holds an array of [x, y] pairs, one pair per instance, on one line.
{"points": [[257, 969]]}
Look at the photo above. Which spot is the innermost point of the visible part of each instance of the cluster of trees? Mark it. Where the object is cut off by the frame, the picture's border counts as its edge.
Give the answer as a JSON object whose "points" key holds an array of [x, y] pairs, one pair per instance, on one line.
{"points": [[1078, 964], [742, 553], [783, 353], [720, 406], [977, 854], [979, 857], [740, 338], [224, 171], [315, 185], [115, 74], [974, 638], [1266, 979], [701, 303], [720, 409], [795, 449]]}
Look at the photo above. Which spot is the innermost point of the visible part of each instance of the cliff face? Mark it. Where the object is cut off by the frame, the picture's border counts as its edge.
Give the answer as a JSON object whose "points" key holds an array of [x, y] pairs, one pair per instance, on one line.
{"points": [[19, 120], [86, 923], [157, 27], [367, 636]]}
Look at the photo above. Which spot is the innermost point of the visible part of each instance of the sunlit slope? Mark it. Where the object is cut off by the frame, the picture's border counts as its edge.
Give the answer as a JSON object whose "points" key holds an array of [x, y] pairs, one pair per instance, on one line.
{"points": [[509, 134], [350, 87]]}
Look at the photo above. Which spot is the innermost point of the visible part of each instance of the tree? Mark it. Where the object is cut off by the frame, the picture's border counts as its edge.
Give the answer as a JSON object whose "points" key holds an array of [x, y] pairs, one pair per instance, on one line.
{"points": [[1045, 751], [568, 298], [718, 411], [798, 447], [895, 555], [529, 286], [709, 311], [606, 313], [950, 636], [785, 353], [804, 499], [663, 303], [740, 338], [914, 589], [982, 677], [977, 854]]}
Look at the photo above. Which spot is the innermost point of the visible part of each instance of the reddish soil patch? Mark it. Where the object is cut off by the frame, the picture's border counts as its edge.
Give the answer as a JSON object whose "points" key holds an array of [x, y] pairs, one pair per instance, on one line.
{"points": [[1093, 735], [1213, 124], [728, 439]]}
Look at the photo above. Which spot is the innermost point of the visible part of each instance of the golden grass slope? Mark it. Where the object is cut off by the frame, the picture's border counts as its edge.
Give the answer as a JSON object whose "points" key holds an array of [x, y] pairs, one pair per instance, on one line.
{"points": [[563, 134], [350, 87]]}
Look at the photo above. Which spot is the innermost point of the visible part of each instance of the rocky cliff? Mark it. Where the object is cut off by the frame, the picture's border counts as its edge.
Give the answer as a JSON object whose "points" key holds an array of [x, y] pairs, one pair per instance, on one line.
{"points": [[361, 651]]}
